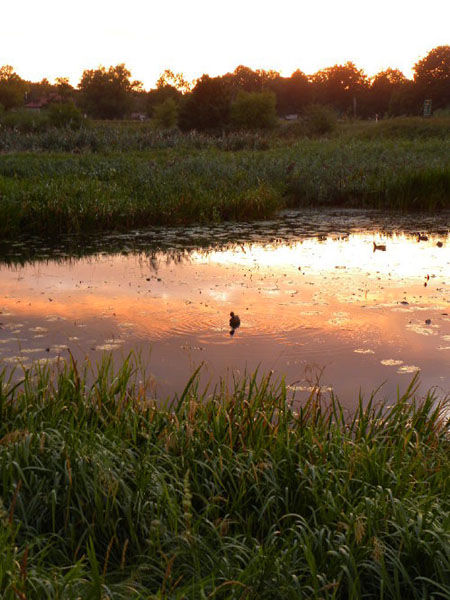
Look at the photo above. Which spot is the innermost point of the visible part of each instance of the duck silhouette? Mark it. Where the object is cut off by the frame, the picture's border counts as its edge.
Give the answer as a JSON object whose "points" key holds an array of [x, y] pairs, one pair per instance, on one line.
{"points": [[379, 247], [234, 322]]}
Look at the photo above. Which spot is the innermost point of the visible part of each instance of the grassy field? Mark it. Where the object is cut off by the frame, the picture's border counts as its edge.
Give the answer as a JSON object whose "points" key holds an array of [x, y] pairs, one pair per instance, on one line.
{"points": [[124, 176], [104, 494]]}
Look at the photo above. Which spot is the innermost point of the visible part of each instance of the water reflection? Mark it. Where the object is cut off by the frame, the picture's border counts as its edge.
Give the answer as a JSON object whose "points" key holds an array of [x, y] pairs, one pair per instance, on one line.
{"points": [[324, 308]]}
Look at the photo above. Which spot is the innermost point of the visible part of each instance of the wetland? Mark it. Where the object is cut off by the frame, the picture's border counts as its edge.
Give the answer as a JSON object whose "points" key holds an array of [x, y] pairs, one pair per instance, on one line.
{"points": [[320, 303]]}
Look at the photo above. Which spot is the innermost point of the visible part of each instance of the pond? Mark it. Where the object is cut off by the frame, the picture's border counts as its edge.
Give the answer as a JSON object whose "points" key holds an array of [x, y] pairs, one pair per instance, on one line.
{"points": [[344, 300]]}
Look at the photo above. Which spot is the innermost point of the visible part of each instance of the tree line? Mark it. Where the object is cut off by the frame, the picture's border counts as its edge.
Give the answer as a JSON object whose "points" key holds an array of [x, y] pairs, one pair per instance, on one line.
{"points": [[243, 98]]}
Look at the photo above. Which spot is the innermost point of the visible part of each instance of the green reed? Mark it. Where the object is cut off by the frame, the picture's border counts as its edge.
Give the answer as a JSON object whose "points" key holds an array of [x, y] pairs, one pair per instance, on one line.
{"points": [[60, 193], [236, 493]]}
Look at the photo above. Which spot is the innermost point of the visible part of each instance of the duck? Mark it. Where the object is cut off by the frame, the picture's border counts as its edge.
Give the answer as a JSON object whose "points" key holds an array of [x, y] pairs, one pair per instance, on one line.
{"points": [[234, 320], [439, 244], [422, 238], [381, 247]]}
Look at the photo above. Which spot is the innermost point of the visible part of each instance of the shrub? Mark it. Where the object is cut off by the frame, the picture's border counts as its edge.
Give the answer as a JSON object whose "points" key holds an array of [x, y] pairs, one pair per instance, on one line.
{"points": [[166, 114], [254, 110], [64, 115], [319, 119], [24, 120]]}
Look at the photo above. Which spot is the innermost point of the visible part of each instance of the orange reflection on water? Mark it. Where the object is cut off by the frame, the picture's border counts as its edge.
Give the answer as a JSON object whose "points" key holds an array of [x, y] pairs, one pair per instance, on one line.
{"points": [[334, 304]]}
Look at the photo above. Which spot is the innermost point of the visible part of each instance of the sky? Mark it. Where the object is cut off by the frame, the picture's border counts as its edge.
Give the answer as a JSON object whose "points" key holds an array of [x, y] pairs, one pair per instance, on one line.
{"points": [[53, 38]]}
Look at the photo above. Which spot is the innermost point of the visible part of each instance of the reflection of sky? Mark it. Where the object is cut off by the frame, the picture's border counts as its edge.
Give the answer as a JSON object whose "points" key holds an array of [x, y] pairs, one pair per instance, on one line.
{"points": [[349, 319], [404, 256]]}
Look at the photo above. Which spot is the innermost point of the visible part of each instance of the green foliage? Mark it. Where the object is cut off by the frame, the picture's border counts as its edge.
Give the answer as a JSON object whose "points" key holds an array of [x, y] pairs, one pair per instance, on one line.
{"points": [[193, 178], [24, 121], [64, 114], [340, 85], [106, 493], [208, 106], [254, 110], [28, 121], [165, 115], [107, 94], [12, 88], [319, 119], [432, 76]]}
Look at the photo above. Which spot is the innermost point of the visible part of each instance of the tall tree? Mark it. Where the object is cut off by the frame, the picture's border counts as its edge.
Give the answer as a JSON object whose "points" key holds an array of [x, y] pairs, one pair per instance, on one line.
{"points": [[342, 86], [12, 88], [108, 94], [293, 93], [64, 89], [432, 76], [175, 80], [207, 106], [382, 87]]}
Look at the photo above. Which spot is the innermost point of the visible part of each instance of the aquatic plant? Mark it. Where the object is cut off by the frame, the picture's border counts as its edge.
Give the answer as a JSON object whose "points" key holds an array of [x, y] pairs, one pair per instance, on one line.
{"points": [[231, 494], [66, 192]]}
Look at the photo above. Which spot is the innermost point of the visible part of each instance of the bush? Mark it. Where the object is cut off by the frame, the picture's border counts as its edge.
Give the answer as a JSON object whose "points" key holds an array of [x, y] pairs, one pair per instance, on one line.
{"points": [[24, 120], [319, 119], [64, 115], [166, 114], [254, 110]]}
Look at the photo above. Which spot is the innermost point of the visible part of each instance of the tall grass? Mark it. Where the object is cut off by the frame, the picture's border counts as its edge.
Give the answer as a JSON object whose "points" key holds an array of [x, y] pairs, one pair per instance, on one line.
{"points": [[235, 494], [49, 192]]}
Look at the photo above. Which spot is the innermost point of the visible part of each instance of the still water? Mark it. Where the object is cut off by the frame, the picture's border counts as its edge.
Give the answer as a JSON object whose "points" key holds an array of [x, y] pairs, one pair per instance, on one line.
{"points": [[317, 303]]}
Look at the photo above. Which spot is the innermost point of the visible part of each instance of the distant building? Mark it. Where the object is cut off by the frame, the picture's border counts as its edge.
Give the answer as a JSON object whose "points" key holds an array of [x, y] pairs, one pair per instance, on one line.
{"points": [[44, 101]]}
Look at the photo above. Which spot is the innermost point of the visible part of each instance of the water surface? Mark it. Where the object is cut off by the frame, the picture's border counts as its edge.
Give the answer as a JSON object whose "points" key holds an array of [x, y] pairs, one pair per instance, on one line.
{"points": [[317, 304]]}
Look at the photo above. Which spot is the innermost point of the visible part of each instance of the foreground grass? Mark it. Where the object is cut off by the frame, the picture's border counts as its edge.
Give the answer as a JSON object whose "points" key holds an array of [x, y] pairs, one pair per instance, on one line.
{"points": [[65, 192], [106, 495]]}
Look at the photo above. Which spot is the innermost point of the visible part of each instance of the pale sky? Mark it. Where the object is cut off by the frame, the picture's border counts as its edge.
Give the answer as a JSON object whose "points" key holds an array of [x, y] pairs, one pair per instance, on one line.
{"points": [[52, 38]]}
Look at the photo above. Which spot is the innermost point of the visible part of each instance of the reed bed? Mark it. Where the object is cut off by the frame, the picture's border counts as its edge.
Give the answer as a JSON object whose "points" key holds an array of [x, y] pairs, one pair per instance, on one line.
{"points": [[237, 493], [65, 192]]}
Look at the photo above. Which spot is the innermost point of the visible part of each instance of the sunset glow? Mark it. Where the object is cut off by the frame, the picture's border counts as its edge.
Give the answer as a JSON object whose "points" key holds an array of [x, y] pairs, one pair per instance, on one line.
{"points": [[49, 39]]}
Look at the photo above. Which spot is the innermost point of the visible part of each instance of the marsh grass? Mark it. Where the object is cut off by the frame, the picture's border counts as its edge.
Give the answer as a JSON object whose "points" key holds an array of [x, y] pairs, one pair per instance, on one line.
{"points": [[64, 192], [231, 494]]}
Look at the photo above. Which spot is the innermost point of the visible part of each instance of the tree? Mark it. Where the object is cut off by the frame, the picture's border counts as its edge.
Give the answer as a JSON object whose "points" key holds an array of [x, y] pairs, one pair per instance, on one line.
{"points": [[166, 114], [293, 93], [404, 100], [64, 89], [12, 88], [254, 110], [244, 78], [382, 87], [432, 76], [108, 94], [175, 80], [342, 86], [170, 86], [207, 107]]}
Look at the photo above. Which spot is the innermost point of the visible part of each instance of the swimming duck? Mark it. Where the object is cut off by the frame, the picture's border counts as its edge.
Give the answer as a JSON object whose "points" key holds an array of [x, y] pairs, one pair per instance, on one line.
{"points": [[234, 320], [379, 247]]}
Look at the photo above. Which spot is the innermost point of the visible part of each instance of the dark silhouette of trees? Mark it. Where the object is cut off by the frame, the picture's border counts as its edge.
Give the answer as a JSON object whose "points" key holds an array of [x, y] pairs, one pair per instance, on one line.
{"points": [[432, 77], [111, 94], [343, 86], [208, 105], [12, 88], [382, 86], [107, 94], [63, 87], [243, 79], [293, 93]]}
